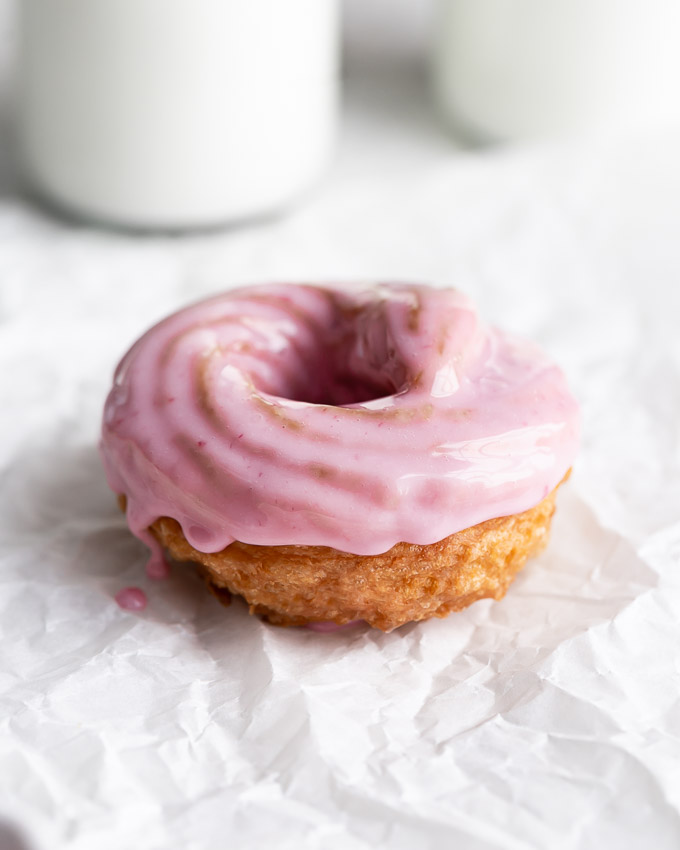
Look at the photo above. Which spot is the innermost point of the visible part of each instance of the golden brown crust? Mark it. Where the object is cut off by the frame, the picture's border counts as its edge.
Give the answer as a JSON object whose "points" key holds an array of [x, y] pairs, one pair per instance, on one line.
{"points": [[296, 585]]}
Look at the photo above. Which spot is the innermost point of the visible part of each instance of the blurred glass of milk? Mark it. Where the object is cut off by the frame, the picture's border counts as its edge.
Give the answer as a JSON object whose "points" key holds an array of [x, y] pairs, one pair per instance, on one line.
{"points": [[512, 69], [176, 113]]}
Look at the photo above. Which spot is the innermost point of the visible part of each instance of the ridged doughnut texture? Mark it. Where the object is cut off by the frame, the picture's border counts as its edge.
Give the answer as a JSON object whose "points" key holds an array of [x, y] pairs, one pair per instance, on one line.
{"points": [[318, 416], [299, 585]]}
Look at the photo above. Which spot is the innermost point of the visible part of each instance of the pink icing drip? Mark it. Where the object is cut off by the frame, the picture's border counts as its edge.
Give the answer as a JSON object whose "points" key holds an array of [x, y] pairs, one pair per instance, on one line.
{"points": [[131, 599], [353, 419], [156, 567]]}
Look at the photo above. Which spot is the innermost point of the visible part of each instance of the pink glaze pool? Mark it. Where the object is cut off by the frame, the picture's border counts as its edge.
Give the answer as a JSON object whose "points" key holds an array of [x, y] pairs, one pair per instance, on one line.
{"points": [[131, 599]]}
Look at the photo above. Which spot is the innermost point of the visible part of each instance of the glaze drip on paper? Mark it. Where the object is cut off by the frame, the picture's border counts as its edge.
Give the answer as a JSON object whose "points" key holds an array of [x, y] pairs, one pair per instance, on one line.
{"points": [[131, 599]]}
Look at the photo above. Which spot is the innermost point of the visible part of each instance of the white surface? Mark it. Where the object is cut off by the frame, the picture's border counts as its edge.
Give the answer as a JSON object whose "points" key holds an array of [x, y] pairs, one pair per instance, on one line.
{"points": [[536, 67], [163, 113], [548, 720]]}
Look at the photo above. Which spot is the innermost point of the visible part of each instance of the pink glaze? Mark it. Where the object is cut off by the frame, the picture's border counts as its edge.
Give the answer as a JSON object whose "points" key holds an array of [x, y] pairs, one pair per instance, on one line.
{"points": [[156, 567], [353, 419], [131, 599]]}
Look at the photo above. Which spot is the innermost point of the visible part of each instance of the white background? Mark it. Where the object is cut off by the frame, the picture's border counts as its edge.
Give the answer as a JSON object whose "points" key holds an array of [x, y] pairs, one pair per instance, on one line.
{"points": [[548, 720]]}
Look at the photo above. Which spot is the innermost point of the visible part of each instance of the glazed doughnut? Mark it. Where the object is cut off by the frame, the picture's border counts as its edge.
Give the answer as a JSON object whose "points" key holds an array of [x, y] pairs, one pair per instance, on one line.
{"points": [[338, 454]]}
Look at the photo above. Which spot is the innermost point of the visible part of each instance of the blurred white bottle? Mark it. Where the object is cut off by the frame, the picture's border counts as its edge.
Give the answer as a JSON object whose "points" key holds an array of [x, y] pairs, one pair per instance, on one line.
{"points": [[511, 69], [176, 113]]}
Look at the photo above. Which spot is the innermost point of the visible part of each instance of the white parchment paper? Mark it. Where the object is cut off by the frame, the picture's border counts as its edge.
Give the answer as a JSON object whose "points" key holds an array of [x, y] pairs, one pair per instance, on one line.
{"points": [[550, 719]]}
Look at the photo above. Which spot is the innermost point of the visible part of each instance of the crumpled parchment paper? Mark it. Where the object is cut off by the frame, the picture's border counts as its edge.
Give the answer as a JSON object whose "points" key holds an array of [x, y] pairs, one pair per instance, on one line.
{"points": [[550, 719]]}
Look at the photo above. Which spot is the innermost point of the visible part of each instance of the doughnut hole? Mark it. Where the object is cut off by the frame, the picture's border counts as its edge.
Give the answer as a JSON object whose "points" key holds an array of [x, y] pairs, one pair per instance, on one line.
{"points": [[353, 360]]}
